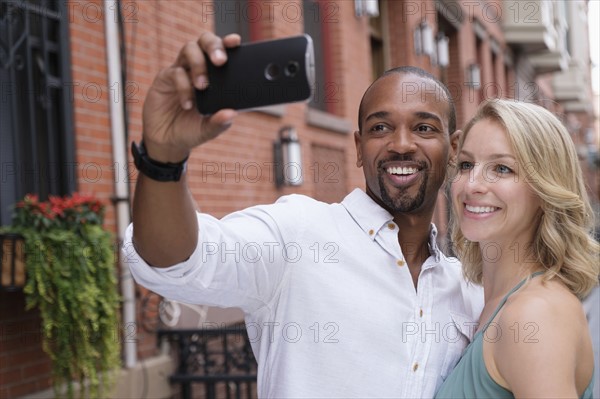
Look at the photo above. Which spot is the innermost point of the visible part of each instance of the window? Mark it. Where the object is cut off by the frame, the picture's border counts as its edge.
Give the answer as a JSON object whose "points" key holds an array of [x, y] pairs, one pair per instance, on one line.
{"points": [[496, 88], [36, 128], [449, 75], [480, 54], [376, 34], [313, 26]]}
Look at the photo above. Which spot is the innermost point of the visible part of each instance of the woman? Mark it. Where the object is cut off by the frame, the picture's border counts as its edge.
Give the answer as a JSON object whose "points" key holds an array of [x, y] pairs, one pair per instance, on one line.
{"points": [[524, 216]]}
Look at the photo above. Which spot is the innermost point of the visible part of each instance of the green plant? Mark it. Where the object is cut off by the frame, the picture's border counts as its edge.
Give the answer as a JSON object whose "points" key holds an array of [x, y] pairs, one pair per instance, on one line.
{"points": [[71, 280]]}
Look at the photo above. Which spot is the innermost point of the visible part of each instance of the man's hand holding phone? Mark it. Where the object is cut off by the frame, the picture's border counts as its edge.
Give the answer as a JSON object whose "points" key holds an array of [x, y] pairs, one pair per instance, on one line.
{"points": [[194, 100], [172, 125]]}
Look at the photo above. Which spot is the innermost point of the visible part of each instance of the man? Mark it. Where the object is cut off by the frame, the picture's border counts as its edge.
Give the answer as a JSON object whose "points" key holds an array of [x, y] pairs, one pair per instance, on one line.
{"points": [[342, 300]]}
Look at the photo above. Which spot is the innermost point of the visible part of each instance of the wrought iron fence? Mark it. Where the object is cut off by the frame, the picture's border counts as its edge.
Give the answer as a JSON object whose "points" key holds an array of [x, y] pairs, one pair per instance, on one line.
{"points": [[220, 359]]}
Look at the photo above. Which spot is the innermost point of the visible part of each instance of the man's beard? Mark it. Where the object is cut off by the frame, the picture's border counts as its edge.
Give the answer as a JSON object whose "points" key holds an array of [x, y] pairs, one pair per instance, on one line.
{"points": [[403, 202]]}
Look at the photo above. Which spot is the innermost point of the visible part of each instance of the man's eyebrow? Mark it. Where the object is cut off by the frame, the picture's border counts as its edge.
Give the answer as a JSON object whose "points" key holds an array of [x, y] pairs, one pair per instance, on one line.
{"points": [[428, 115], [378, 115], [419, 114]]}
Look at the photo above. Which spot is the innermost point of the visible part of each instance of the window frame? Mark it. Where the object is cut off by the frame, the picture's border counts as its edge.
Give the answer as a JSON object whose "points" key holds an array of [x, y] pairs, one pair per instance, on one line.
{"points": [[47, 146]]}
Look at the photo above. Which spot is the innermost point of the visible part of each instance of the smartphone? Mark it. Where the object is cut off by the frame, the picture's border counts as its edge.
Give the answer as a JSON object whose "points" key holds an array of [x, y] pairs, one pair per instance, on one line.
{"points": [[260, 74]]}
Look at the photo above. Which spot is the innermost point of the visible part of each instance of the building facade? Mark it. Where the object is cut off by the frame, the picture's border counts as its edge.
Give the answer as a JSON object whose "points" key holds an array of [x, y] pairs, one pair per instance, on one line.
{"points": [[58, 111]]}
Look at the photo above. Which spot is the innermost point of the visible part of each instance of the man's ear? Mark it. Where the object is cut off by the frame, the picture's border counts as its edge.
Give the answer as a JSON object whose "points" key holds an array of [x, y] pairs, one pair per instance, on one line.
{"points": [[454, 139], [358, 149]]}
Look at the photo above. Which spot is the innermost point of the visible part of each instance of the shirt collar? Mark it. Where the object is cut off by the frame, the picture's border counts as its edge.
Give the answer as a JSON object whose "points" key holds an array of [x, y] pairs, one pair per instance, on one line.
{"points": [[371, 218], [433, 246]]}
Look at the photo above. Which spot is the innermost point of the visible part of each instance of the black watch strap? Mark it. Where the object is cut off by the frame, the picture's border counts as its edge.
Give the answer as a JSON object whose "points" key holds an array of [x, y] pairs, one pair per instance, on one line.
{"points": [[159, 171]]}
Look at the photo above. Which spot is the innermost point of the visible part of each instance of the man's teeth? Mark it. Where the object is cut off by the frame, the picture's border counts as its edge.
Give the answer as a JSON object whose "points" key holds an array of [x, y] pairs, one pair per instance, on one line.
{"points": [[401, 171], [480, 209]]}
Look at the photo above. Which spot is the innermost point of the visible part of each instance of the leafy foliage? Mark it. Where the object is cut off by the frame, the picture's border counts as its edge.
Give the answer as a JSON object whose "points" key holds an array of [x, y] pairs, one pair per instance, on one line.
{"points": [[71, 279]]}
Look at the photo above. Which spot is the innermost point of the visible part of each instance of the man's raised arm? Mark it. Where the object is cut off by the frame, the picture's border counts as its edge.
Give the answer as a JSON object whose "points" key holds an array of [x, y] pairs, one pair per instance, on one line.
{"points": [[164, 213]]}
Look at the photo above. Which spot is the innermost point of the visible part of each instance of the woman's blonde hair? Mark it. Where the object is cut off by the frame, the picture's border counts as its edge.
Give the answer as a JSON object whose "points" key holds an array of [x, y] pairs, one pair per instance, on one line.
{"points": [[547, 158]]}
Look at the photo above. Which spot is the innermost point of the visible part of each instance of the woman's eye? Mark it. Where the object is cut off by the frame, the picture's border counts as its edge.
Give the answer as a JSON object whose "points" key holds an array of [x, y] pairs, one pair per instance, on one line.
{"points": [[503, 169], [465, 165]]}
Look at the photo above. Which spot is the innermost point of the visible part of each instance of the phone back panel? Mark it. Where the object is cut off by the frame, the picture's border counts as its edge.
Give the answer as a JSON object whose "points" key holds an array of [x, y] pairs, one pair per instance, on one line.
{"points": [[260, 74]]}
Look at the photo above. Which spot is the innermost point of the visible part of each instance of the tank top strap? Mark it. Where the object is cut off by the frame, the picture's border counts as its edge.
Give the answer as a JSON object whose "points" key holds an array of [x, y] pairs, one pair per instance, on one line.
{"points": [[512, 291]]}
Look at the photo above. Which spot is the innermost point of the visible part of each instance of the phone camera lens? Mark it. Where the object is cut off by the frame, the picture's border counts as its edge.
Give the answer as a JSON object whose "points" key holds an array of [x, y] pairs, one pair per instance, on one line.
{"points": [[272, 71], [292, 68]]}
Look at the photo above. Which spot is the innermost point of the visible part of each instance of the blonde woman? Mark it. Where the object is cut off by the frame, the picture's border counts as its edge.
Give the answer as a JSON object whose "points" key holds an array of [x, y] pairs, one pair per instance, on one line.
{"points": [[522, 223]]}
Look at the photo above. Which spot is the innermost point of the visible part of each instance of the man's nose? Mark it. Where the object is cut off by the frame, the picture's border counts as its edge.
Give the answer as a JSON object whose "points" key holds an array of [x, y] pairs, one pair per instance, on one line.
{"points": [[402, 141]]}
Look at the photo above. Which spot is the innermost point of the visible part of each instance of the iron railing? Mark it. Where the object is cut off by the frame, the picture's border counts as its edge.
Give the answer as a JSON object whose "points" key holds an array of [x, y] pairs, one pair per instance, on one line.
{"points": [[220, 359]]}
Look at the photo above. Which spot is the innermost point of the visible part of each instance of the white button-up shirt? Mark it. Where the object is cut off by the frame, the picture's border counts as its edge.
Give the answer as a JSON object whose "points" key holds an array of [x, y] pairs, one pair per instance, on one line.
{"points": [[330, 305]]}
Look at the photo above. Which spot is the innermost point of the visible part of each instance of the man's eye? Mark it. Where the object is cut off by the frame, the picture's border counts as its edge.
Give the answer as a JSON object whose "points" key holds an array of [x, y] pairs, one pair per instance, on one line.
{"points": [[425, 128], [379, 128]]}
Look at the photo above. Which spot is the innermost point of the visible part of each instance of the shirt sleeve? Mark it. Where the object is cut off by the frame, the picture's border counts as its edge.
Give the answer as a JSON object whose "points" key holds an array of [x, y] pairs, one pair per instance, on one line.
{"points": [[239, 261]]}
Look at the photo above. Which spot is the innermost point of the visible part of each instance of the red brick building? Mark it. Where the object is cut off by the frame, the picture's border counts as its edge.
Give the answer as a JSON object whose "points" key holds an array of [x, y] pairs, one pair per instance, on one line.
{"points": [[68, 128]]}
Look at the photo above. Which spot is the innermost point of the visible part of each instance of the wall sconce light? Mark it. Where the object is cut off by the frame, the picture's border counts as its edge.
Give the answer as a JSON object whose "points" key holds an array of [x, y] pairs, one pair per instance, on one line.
{"points": [[423, 37], [443, 52], [418, 41], [287, 157], [370, 8], [427, 37], [474, 76]]}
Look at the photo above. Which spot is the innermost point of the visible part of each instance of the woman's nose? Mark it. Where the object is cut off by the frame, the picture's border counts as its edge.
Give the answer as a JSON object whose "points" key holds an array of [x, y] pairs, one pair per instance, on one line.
{"points": [[475, 181]]}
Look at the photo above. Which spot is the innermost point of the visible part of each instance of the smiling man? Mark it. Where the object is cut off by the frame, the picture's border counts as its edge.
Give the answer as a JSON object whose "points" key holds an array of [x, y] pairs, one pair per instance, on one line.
{"points": [[406, 133], [382, 312]]}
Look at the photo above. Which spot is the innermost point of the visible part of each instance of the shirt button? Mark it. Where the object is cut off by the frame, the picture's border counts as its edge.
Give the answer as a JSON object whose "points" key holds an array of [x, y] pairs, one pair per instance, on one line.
{"points": [[400, 262], [391, 226], [371, 232], [421, 312], [415, 366]]}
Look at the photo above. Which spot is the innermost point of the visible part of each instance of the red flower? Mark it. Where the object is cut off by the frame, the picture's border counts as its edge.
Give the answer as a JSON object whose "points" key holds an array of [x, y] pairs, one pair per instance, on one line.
{"points": [[31, 198], [66, 212]]}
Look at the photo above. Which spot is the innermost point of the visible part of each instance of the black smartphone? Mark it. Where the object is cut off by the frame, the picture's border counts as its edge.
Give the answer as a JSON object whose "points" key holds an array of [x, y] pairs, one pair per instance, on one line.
{"points": [[260, 74]]}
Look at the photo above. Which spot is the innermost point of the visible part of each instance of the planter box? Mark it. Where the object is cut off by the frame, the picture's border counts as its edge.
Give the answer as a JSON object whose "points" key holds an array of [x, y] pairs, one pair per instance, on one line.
{"points": [[12, 268]]}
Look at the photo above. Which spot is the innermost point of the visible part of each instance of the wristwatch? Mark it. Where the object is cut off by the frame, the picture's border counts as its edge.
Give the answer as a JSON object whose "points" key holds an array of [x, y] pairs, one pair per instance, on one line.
{"points": [[159, 171]]}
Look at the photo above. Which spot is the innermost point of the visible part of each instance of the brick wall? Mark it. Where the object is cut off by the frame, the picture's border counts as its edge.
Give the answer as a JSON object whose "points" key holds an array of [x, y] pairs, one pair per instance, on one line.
{"points": [[24, 368]]}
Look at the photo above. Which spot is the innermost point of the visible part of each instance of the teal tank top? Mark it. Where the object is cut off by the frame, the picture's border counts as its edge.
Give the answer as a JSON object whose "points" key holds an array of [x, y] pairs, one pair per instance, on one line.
{"points": [[470, 378]]}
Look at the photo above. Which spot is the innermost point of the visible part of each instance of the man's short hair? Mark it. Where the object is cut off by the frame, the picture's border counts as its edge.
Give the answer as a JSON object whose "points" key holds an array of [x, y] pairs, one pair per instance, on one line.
{"points": [[412, 70]]}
